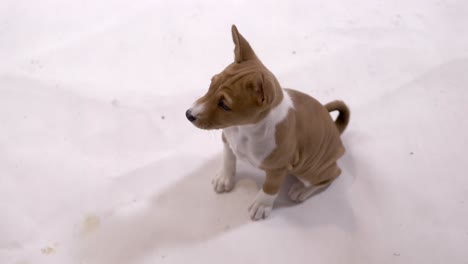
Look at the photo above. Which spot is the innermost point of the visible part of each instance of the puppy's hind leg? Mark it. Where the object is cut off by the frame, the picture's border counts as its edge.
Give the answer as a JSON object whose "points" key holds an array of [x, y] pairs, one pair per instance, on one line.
{"points": [[305, 188]]}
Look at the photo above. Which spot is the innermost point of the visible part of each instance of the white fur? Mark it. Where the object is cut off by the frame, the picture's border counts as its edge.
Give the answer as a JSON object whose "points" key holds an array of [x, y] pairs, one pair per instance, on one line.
{"points": [[197, 109], [224, 180], [306, 183], [300, 192], [253, 143], [262, 205]]}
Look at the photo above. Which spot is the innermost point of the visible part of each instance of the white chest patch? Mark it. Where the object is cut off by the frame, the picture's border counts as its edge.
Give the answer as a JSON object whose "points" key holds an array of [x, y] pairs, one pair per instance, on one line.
{"points": [[253, 143]]}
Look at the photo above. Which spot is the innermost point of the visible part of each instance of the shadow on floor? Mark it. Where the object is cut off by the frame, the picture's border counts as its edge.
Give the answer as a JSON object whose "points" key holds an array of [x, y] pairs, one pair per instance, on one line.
{"points": [[185, 213], [190, 212]]}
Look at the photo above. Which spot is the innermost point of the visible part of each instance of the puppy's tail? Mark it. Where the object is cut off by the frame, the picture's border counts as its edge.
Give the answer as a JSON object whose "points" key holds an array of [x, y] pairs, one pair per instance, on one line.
{"points": [[342, 120]]}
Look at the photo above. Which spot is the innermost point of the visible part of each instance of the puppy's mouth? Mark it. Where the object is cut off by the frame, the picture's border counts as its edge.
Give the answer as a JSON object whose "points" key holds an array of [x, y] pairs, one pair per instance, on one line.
{"points": [[201, 122], [206, 125], [197, 121], [202, 125]]}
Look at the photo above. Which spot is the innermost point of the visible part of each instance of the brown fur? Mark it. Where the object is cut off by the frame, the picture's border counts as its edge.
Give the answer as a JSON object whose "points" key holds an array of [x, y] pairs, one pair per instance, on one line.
{"points": [[342, 120], [308, 144], [249, 89], [308, 141]]}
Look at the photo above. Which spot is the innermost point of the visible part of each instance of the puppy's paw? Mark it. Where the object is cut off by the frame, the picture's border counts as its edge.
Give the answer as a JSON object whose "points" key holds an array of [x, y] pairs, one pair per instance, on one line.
{"points": [[299, 193], [223, 182], [262, 206]]}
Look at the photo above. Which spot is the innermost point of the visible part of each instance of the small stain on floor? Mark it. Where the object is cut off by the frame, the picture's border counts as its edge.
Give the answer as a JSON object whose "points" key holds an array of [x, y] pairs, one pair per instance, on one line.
{"points": [[48, 250], [91, 223]]}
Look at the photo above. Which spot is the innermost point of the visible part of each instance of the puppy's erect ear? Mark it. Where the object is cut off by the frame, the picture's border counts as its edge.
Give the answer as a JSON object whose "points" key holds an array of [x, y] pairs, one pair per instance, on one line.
{"points": [[242, 51], [264, 91]]}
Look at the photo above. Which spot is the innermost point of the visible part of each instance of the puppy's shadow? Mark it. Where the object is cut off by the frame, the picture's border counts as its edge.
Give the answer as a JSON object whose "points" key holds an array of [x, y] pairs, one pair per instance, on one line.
{"points": [[190, 212], [186, 213]]}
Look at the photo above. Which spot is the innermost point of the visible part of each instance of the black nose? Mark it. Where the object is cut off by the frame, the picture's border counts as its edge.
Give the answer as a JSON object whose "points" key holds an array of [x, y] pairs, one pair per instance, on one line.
{"points": [[189, 116]]}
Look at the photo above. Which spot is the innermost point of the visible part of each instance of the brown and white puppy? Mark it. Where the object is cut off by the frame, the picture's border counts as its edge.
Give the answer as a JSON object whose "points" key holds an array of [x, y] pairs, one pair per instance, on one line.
{"points": [[281, 131]]}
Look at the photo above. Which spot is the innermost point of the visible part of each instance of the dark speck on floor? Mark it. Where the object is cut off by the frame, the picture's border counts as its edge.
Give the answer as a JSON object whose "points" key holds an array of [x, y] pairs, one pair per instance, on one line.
{"points": [[293, 52], [411, 153], [396, 254], [163, 117]]}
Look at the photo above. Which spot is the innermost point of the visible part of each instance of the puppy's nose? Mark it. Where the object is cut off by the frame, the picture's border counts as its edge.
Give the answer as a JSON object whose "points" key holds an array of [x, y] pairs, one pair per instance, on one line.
{"points": [[189, 116]]}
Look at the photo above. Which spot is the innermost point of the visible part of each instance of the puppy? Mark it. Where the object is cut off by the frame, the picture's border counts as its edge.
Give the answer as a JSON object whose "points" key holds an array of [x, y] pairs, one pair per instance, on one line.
{"points": [[281, 131]]}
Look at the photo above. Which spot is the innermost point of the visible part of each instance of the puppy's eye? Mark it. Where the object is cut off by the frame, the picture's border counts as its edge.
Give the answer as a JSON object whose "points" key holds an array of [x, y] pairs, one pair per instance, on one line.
{"points": [[223, 105]]}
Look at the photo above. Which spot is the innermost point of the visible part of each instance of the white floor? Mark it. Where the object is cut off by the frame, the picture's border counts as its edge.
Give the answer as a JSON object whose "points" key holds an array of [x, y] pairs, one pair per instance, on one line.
{"points": [[99, 165]]}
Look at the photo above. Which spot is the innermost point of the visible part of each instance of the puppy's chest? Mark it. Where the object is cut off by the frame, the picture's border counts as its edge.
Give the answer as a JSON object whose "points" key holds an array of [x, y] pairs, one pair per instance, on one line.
{"points": [[250, 145]]}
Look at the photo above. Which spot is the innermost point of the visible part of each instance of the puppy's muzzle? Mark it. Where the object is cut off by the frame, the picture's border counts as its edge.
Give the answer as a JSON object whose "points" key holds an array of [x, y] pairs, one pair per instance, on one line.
{"points": [[189, 116]]}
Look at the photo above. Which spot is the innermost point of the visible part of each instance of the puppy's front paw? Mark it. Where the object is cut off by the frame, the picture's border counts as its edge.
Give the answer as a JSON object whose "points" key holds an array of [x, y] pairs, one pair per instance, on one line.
{"points": [[223, 182], [262, 206]]}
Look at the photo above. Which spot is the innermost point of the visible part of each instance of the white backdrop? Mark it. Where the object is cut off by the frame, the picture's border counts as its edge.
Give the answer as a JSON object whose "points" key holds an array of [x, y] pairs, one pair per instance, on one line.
{"points": [[99, 165]]}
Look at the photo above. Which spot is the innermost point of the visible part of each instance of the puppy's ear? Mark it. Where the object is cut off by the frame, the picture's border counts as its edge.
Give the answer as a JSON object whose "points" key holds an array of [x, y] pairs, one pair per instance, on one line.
{"points": [[264, 91], [242, 51]]}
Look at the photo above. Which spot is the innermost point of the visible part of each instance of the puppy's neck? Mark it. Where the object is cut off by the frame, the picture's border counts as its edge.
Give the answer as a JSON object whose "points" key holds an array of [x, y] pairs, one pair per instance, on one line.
{"points": [[278, 99], [273, 115]]}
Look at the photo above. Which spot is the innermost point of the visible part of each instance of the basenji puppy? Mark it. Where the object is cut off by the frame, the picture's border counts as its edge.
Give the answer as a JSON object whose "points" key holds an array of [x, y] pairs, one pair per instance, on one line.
{"points": [[280, 131]]}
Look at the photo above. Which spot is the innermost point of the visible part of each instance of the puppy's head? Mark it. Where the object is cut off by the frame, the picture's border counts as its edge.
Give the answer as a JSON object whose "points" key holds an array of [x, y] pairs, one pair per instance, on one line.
{"points": [[241, 94]]}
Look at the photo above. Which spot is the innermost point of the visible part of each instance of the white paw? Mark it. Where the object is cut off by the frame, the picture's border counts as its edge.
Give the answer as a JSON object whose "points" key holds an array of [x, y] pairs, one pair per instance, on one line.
{"points": [[223, 182], [299, 193], [262, 206]]}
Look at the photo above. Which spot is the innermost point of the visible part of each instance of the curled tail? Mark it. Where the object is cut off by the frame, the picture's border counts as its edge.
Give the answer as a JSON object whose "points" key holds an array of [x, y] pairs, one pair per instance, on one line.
{"points": [[342, 120]]}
